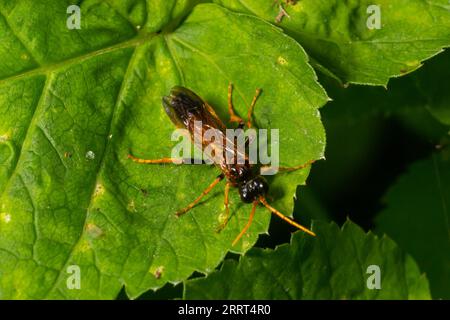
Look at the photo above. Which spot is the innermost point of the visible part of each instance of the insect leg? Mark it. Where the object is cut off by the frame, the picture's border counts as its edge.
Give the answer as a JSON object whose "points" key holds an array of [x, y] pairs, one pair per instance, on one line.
{"points": [[250, 219], [164, 160], [233, 116], [252, 106], [289, 169], [227, 209], [204, 193], [282, 216], [153, 161]]}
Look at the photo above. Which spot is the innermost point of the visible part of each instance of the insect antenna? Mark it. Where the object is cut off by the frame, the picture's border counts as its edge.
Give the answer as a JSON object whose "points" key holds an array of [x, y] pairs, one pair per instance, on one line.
{"points": [[250, 219], [282, 216]]}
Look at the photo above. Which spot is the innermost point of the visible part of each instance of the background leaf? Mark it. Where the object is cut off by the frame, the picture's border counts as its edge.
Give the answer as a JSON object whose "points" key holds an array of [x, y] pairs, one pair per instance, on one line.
{"points": [[374, 135], [331, 266], [336, 36], [70, 116], [432, 83], [417, 218]]}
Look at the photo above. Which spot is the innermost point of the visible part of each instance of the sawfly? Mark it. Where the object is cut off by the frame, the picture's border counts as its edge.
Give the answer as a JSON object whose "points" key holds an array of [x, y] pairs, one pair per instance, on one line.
{"points": [[185, 108]]}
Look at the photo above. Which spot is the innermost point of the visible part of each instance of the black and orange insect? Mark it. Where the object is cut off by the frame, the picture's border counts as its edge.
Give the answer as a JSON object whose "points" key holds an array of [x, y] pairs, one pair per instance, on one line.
{"points": [[184, 107]]}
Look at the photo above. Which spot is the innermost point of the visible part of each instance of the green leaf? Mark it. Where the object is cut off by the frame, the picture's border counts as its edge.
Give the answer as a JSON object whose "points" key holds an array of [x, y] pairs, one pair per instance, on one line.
{"points": [[363, 124], [418, 100], [336, 36], [417, 218], [331, 266], [74, 103], [432, 82]]}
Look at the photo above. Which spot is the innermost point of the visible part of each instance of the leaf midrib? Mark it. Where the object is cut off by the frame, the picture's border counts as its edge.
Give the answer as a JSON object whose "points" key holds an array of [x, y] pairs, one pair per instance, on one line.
{"points": [[47, 69]]}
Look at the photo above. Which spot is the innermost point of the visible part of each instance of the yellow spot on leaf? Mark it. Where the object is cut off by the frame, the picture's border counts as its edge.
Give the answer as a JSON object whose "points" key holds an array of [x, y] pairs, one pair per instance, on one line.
{"points": [[246, 243], [297, 7], [93, 230], [84, 246], [4, 137], [99, 190], [158, 272], [282, 61], [131, 206], [221, 217], [6, 217], [413, 63]]}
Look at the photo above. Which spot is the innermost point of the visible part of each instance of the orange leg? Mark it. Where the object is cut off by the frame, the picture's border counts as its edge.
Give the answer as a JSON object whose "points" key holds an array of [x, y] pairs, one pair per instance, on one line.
{"points": [[233, 116], [227, 209], [250, 219], [289, 169], [204, 193], [252, 106], [162, 160], [282, 216], [155, 161]]}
